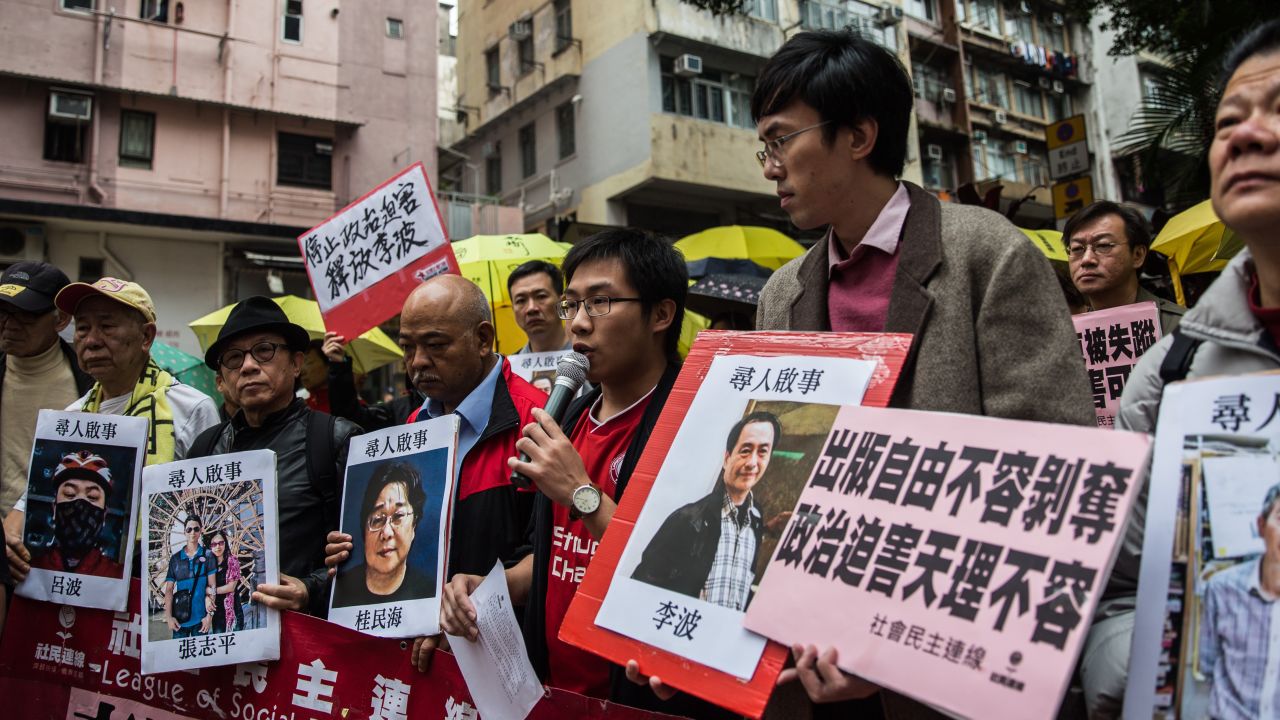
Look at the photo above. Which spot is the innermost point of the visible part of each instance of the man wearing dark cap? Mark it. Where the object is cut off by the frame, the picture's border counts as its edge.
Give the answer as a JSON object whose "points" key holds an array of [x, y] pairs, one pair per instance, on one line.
{"points": [[39, 370], [79, 511], [259, 353]]}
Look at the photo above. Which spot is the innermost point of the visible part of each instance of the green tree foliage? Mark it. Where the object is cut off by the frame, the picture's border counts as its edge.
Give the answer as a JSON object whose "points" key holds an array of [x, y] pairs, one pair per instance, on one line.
{"points": [[717, 7]]}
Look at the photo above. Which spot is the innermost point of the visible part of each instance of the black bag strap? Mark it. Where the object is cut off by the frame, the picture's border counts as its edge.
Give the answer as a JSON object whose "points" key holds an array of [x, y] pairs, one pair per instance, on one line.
{"points": [[320, 468], [1177, 362]]}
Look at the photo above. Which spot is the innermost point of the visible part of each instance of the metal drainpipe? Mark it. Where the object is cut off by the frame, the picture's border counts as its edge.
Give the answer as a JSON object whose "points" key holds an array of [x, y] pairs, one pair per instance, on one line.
{"points": [[95, 191], [125, 272], [224, 181]]}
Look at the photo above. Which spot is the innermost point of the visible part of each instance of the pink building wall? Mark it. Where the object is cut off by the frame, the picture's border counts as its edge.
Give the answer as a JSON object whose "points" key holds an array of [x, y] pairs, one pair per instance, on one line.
{"points": [[216, 120]]}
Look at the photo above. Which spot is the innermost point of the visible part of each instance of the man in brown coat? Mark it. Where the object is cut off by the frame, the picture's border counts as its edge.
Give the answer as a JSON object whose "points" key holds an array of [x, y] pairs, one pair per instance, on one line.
{"points": [[991, 332]]}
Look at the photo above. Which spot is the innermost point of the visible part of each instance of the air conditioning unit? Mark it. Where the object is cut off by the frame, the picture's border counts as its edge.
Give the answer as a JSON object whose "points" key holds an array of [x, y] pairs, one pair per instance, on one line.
{"points": [[934, 152], [890, 15], [70, 105], [948, 95], [980, 136], [521, 29], [688, 65], [1057, 86], [1020, 147], [1001, 117], [20, 242], [1057, 19], [1044, 83]]}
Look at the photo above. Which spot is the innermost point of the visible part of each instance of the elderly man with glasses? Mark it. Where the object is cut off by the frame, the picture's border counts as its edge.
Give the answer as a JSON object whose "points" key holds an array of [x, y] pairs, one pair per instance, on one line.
{"points": [[1106, 245], [259, 354], [390, 512]]}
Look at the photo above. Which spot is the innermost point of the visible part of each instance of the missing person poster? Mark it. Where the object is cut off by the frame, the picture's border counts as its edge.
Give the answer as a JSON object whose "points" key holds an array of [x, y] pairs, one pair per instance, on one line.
{"points": [[538, 368], [211, 538], [1111, 342], [366, 259], [1206, 637], [700, 546], [80, 499], [396, 506], [968, 550], [688, 545]]}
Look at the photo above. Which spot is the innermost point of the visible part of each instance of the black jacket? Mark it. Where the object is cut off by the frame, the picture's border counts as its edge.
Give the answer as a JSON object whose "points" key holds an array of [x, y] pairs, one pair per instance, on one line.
{"points": [[680, 555], [308, 507], [83, 380], [344, 402]]}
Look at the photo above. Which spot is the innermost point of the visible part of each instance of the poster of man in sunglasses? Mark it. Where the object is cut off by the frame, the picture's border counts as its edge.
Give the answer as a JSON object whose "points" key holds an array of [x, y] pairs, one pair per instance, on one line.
{"points": [[396, 505], [79, 519], [211, 537]]}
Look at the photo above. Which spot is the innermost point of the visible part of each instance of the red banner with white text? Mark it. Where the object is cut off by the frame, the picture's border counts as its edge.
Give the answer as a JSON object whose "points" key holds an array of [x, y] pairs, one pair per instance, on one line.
{"points": [[69, 663]]}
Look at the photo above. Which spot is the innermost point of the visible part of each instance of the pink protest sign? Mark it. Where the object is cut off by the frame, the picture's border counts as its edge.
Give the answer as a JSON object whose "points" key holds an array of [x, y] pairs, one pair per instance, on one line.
{"points": [[1112, 341], [366, 259], [954, 559]]}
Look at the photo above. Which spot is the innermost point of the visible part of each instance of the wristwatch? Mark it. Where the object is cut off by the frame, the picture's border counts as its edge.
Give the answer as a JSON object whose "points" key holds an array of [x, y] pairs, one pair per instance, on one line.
{"points": [[586, 500]]}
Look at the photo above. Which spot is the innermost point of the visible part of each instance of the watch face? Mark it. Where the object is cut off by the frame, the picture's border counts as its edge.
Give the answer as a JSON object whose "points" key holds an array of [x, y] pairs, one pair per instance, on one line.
{"points": [[586, 499]]}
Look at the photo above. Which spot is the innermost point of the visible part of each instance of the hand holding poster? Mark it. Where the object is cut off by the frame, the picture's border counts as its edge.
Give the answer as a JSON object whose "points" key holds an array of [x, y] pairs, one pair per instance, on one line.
{"points": [[364, 261], [968, 549], [396, 506], [753, 408], [1206, 638], [1112, 341], [211, 539], [80, 498]]}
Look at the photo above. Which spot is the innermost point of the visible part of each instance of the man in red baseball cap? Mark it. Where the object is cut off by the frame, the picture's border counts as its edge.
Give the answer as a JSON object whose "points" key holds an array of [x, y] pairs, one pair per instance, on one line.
{"points": [[79, 512]]}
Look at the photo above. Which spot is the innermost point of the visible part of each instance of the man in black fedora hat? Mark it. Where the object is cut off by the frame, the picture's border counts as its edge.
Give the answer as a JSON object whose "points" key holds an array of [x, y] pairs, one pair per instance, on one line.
{"points": [[259, 353]]}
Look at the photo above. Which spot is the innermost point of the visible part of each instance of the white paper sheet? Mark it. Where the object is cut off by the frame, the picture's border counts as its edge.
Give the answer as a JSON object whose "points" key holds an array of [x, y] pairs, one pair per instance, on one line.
{"points": [[496, 666]]}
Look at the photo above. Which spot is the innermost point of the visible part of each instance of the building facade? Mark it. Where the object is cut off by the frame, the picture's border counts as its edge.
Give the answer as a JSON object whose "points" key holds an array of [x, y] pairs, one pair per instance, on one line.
{"points": [[185, 145], [990, 76], [631, 112]]}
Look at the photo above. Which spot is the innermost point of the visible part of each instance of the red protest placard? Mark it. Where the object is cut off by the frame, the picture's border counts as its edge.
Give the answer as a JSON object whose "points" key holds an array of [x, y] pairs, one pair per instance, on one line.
{"points": [[366, 259], [648, 594], [57, 660]]}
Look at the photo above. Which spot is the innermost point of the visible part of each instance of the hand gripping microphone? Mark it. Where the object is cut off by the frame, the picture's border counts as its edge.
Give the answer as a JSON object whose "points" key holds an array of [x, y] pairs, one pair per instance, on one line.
{"points": [[571, 372]]}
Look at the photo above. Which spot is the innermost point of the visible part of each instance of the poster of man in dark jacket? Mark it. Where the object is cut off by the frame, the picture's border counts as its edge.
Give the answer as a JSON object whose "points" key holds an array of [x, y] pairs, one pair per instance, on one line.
{"points": [[709, 548]]}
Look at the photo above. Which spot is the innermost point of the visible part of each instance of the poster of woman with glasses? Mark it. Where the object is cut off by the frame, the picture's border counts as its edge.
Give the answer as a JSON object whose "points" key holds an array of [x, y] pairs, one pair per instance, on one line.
{"points": [[210, 539], [396, 507]]}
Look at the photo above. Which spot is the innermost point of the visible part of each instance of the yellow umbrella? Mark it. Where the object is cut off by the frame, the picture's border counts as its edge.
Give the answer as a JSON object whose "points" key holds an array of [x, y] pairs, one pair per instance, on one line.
{"points": [[761, 245], [1049, 242], [487, 260], [1195, 241], [693, 324], [368, 352]]}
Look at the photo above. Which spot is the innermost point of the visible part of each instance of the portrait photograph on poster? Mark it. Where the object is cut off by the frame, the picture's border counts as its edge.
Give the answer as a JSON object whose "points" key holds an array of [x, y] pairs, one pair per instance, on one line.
{"points": [[210, 540], [718, 506], [396, 506], [1210, 562], [79, 522]]}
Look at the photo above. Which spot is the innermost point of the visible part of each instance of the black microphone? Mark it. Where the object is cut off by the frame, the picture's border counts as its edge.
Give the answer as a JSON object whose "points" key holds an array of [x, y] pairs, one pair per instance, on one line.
{"points": [[571, 372]]}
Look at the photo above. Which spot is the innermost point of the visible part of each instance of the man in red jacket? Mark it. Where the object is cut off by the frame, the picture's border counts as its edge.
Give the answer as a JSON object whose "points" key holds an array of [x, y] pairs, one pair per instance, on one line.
{"points": [[447, 333]]}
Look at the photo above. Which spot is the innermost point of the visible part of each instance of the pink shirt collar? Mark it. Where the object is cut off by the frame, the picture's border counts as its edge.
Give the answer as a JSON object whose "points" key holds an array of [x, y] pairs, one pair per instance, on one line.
{"points": [[883, 234]]}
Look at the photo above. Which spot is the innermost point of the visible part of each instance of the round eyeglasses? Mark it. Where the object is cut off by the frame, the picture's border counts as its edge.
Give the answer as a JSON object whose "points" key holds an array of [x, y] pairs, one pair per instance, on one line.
{"points": [[262, 352]]}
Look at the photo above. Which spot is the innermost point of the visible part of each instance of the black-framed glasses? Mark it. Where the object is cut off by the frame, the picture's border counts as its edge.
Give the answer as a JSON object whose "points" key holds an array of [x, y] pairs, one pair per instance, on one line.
{"points": [[1102, 249], [262, 352], [773, 148], [22, 316], [377, 521], [596, 305]]}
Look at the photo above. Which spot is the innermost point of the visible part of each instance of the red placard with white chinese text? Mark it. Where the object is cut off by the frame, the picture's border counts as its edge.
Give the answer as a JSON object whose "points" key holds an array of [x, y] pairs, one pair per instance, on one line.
{"points": [[366, 259], [59, 662], [748, 697]]}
